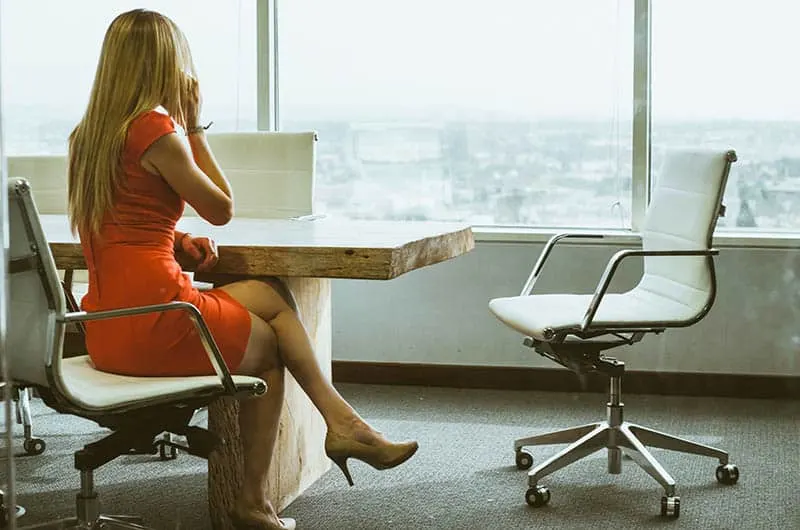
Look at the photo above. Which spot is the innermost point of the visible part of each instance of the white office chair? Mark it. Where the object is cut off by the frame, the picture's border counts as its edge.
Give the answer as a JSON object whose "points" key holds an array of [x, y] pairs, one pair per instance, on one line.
{"points": [[136, 409], [677, 289], [271, 173], [48, 174]]}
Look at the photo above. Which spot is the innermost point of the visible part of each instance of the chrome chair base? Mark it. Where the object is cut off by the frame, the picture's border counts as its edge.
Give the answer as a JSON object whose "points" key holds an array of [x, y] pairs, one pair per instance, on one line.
{"points": [[88, 516], [618, 437]]}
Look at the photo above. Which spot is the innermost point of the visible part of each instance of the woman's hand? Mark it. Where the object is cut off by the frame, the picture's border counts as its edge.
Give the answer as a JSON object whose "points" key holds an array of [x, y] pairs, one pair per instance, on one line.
{"points": [[201, 249], [192, 103]]}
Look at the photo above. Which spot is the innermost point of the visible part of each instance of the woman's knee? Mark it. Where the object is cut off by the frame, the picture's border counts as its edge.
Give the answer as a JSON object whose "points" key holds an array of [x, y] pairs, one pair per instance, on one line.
{"points": [[267, 297], [261, 354]]}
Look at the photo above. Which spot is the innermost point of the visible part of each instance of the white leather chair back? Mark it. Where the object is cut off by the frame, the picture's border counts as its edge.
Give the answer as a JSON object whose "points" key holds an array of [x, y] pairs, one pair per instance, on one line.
{"points": [[271, 173], [685, 204], [34, 335], [47, 174]]}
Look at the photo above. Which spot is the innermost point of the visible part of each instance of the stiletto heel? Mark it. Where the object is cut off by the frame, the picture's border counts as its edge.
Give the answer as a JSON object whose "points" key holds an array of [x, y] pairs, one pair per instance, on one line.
{"points": [[383, 455], [342, 463]]}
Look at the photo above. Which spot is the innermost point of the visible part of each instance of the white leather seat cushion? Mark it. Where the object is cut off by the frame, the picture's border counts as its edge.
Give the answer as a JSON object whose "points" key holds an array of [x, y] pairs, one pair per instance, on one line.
{"points": [[531, 315], [101, 390]]}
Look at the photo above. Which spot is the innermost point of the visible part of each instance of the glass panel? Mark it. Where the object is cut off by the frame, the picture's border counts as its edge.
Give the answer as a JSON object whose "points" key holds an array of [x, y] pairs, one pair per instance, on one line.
{"points": [[48, 85], [724, 75], [7, 491], [512, 112]]}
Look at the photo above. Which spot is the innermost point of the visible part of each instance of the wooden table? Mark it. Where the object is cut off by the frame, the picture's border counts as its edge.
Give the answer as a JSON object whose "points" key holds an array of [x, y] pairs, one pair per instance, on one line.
{"points": [[305, 255]]}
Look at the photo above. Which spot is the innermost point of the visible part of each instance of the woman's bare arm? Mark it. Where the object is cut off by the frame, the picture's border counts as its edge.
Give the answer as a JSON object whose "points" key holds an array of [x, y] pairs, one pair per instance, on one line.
{"points": [[208, 193], [207, 162]]}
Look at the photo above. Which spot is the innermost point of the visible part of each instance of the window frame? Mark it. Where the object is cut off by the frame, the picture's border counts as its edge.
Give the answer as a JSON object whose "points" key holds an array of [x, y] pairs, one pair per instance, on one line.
{"points": [[268, 105]]}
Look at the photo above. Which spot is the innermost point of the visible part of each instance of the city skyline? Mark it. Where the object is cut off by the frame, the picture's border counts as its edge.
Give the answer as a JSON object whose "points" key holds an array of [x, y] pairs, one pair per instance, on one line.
{"points": [[500, 115], [511, 173]]}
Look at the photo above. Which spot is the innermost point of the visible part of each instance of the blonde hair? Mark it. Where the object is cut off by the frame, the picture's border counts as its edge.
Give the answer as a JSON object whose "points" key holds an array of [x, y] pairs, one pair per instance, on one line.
{"points": [[145, 62]]}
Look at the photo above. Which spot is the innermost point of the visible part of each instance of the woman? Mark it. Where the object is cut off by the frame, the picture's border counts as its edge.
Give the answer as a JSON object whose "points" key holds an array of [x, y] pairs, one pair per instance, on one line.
{"points": [[130, 171]]}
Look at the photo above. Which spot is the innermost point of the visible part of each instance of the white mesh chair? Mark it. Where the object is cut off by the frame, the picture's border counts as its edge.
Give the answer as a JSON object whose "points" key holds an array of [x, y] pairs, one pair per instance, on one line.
{"points": [[677, 289], [136, 409]]}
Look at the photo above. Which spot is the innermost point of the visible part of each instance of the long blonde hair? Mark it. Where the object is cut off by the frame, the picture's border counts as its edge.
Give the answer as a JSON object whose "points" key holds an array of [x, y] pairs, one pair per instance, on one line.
{"points": [[144, 63]]}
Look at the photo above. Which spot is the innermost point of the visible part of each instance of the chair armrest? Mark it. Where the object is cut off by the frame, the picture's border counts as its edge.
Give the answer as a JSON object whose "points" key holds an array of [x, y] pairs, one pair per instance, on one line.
{"points": [[206, 338], [611, 268], [537, 268]]}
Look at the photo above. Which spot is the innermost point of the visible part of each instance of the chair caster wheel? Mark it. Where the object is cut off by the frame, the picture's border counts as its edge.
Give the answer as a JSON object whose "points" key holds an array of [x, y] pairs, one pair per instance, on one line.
{"points": [[727, 474], [19, 511], [167, 452], [34, 446], [537, 496], [671, 507], [524, 459]]}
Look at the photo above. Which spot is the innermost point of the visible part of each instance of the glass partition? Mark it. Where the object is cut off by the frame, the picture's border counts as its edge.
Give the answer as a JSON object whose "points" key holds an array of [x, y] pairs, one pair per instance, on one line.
{"points": [[7, 497]]}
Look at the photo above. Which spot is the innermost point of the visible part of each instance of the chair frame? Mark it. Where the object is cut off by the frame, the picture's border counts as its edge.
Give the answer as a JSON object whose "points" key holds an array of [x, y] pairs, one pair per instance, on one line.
{"points": [[135, 425], [588, 329], [573, 347]]}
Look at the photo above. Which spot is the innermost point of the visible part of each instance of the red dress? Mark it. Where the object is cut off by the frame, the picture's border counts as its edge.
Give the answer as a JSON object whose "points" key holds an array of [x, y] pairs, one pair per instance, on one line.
{"points": [[131, 262]]}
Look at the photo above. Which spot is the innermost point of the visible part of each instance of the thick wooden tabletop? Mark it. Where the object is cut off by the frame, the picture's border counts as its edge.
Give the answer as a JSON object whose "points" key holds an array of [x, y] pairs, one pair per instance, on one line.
{"points": [[321, 248]]}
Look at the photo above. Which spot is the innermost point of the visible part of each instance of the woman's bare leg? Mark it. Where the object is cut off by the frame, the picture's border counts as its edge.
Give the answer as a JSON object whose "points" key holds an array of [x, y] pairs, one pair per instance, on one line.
{"points": [[295, 349], [272, 306], [258, 423]]}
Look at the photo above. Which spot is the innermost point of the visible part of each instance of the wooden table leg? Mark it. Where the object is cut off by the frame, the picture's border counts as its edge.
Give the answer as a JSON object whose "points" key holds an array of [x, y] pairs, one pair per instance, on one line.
{"points": [[299, 458]]}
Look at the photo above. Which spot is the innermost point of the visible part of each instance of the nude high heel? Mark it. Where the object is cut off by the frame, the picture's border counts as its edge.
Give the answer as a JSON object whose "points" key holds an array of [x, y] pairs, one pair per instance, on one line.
{"points": [[380, 456], [240, 523]]}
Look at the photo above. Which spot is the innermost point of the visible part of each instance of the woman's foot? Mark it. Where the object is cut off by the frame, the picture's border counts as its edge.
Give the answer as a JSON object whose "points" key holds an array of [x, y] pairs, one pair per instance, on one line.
{"points": [[362, 442], [249, 517]]}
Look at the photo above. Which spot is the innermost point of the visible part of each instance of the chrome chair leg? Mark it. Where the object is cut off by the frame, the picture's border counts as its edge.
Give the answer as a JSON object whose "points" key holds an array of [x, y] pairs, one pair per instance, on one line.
{"points": [[653, 438], [25, 409], [131, 519], [120, 521], [31, 444], [586, 445], [642, 456], [564, 436]]}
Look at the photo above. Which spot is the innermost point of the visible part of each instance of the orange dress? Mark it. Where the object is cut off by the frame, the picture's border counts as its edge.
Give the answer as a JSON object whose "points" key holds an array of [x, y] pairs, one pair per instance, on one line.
{"points": [[131, 262]]}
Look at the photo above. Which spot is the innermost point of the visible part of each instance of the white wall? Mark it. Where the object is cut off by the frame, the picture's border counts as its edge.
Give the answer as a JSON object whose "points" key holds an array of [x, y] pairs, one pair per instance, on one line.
{"points": [[439, 314]]}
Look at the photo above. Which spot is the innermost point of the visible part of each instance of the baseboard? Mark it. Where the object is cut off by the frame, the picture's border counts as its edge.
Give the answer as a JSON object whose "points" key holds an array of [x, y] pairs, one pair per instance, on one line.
{"points": [[563, 380]]}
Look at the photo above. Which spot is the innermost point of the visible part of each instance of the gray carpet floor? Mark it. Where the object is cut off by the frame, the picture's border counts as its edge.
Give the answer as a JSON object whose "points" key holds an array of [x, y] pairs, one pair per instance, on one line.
{"points": [[463, 476]]}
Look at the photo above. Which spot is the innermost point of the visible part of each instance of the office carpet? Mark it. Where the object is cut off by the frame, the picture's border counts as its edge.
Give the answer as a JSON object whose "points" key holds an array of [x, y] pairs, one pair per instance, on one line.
{"points": [[463, 476]]}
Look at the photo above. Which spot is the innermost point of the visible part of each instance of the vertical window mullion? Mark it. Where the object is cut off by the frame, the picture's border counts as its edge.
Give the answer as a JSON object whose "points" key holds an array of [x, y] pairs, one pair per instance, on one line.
{"points": [[640, 187], [267, 64]]}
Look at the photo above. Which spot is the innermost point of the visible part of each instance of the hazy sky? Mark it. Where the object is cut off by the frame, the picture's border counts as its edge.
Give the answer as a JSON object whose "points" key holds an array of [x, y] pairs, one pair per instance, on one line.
{"points": [[712, 58], [51, 60]]}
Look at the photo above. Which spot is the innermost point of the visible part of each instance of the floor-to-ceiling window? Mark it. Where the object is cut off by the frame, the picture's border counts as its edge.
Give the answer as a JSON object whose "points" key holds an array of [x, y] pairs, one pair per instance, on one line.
{"points": [[724, 73], [513, 112]]}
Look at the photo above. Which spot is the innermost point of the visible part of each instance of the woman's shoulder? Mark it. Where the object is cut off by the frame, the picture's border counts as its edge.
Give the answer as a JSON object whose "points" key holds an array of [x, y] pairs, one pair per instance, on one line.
{"points": [[152, 119], [146, 128]]}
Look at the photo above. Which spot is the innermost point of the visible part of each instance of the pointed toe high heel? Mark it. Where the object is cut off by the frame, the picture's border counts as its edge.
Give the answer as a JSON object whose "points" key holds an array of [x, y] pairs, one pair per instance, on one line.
{"points": [[240, 523], [380, 456]]}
